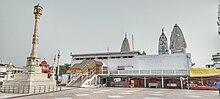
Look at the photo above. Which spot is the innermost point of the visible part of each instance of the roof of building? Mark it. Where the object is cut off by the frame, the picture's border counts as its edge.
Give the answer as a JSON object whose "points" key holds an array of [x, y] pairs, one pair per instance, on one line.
{"points": [[84, 66], [106, 53]]}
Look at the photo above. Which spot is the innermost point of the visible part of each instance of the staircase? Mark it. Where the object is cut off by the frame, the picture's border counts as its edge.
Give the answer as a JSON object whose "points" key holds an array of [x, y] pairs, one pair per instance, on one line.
{"points": [[74, 80], [84, 80], [87, 72], [92, 82]]}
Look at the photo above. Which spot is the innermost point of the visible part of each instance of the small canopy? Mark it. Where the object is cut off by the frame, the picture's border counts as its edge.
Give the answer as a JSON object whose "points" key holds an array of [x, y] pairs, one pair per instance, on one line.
{"points": [[204, 72]]}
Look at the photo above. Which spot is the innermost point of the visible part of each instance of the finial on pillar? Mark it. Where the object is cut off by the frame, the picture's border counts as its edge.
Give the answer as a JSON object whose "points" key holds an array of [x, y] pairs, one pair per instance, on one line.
{"points": [[125, 34]]}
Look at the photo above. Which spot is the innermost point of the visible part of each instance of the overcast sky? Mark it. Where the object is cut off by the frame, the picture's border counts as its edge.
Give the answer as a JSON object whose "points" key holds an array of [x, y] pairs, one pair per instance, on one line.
{"points": [[90, 26]]}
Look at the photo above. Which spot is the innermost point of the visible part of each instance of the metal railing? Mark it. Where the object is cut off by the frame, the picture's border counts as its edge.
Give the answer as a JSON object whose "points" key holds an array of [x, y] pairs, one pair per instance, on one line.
{"points": [[22, 89], [146, 72]]}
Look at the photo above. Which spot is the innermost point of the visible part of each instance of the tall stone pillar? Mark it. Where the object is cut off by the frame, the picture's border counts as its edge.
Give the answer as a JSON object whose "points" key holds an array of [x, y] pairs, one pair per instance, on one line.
{"points": [[33, 60]]}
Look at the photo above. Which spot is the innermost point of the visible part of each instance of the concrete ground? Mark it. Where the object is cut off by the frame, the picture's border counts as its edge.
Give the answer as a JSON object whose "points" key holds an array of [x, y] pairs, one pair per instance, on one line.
{"points": [[126, 93]]}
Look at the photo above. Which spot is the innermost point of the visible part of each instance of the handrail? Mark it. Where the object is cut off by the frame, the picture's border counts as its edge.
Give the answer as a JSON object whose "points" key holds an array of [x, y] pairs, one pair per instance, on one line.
{"points": [[147, 72], [27, 89], [88, 76], [74, 78], [88, 80]]}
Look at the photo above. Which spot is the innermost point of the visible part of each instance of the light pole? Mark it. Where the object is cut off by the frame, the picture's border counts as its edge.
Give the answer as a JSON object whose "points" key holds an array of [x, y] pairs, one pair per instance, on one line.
{"points": [[218, 22], [58, 65]]}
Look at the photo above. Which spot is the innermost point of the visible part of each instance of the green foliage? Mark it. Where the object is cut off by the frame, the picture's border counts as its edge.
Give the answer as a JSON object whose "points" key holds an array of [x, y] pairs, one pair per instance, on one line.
{"points": [[64, 68]]}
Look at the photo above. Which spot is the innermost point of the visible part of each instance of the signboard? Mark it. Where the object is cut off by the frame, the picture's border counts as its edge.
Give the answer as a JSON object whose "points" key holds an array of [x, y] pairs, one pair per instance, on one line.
{"points": [[117, 79], [121, 67]]}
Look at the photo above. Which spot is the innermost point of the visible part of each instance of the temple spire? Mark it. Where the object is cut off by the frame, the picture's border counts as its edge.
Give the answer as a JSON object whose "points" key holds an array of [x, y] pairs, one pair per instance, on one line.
{"points": [[177, 41], [163, 44], [125, 47]]}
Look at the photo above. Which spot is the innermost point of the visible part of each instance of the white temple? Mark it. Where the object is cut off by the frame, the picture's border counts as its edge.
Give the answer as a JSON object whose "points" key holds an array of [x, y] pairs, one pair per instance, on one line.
{"points": [[127, 67]]}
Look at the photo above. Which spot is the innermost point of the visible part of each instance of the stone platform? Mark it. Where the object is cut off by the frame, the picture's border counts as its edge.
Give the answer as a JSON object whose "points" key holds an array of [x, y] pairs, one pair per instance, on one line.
{"points": [[30, 82]]}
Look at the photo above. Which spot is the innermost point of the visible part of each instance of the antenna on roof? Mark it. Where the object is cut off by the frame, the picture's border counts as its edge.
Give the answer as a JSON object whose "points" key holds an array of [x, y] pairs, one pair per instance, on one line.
{"points": [[132, 42]]}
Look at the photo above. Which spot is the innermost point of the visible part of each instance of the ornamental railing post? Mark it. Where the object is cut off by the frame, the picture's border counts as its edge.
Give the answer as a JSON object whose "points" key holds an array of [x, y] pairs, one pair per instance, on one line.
{"points": [[13, 89], [44, 88], [34, 89], [39, 89], [23, 90]]}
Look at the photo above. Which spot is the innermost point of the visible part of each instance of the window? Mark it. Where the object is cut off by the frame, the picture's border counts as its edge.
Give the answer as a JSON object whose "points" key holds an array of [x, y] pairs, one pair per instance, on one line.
{"points": [[125, 56], [99, 57], [118, 57], [130, 56], [112, 57], [105, 57]]}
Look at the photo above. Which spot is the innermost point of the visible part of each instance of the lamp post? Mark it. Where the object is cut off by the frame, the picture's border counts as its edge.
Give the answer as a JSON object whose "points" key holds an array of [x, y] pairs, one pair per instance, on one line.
{"points": [[58, 65], [218, 22]]}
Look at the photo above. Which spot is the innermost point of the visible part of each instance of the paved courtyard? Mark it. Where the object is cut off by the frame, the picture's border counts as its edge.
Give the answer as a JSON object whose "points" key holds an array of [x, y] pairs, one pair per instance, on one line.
{"points": [[126, 93]]}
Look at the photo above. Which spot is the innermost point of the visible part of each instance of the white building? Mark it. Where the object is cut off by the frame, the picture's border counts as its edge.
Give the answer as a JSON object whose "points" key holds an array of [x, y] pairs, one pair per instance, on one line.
{"points": [[8, 71], [3, 73], [133, 68]]}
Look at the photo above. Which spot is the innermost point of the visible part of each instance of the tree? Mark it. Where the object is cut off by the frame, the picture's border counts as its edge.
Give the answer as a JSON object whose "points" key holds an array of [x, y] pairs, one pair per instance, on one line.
{"points": [[64, 68]]}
